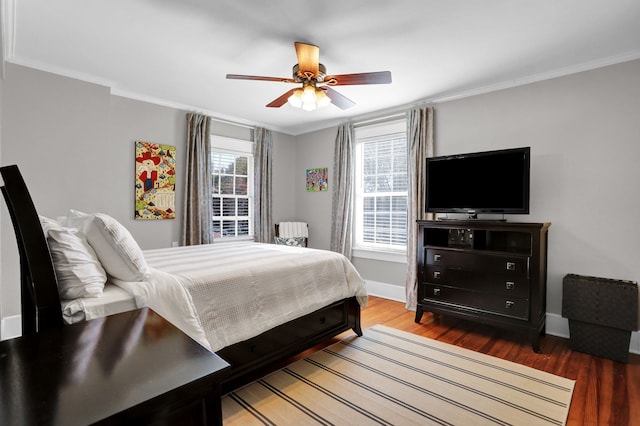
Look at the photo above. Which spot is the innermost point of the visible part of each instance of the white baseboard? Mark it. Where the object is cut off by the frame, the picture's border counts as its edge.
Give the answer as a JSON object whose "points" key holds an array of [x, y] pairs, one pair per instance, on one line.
{"points": [[10, 327], [386, 291], [556, 325], [634, 346]]}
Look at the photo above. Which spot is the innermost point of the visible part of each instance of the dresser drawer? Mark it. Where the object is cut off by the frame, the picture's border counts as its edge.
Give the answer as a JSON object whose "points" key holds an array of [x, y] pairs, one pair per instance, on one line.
{"points": [[479, 262], [473, 301], [505, 284]]}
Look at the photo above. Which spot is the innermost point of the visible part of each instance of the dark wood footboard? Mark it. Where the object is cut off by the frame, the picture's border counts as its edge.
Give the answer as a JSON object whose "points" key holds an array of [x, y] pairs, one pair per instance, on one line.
{"points": [[267, 349]]}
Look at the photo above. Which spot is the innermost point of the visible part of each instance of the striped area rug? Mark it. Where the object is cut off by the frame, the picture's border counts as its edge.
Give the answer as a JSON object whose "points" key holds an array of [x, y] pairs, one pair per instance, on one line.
{"points": [[392, 377]]}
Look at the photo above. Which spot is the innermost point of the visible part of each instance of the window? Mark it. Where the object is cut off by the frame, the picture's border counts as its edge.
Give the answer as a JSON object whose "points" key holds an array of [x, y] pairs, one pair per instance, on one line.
{"points": [[232, 187], [381, 187]]}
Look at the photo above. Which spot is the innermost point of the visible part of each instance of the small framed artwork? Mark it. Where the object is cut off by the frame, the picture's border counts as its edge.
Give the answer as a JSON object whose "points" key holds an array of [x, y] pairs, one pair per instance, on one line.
{"points": [[317, 179], [155, 181]]}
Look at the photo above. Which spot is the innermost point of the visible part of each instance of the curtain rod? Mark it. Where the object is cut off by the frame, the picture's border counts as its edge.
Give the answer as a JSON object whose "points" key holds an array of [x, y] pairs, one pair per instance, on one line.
{"points": [[392, 114], [235, 123], [379, 120]]}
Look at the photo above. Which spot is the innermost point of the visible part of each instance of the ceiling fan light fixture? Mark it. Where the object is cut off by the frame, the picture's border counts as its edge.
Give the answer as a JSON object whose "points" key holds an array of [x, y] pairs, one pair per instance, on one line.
{"points": [[322, 100], [309, 106], [295, 99], [309, 98], [308, 95]]}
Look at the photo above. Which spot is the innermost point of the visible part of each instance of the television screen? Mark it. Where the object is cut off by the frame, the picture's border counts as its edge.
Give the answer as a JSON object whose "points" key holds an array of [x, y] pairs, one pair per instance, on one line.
{"points": [[479, 182]]}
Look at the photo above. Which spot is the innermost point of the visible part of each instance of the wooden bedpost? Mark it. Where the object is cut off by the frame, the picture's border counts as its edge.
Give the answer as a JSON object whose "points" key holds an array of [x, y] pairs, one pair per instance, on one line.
{"points": [[40, 301]]}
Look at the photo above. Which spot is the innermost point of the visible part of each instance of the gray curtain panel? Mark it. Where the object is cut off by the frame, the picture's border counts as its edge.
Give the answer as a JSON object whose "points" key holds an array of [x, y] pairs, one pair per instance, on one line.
{"points": [[197, 211], [420, 144], [262, 157], [342, 197]]}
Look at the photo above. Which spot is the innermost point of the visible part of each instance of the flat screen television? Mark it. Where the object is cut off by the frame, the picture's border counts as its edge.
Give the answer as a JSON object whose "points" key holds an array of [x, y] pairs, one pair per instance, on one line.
{"points": [[479, 182]]}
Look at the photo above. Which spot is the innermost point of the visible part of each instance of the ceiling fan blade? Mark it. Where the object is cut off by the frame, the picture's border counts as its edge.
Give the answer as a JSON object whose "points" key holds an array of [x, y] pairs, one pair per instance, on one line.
{"points": [[308, 58], [338, 99], [260, 78], [380, 77], [277, 103]]}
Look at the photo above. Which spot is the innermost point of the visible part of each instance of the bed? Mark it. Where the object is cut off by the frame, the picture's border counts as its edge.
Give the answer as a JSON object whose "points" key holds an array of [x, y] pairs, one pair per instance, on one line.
{"points": [[253, 304]]}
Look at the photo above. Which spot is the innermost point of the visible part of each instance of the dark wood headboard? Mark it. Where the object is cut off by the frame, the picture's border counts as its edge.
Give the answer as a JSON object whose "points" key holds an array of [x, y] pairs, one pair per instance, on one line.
{"points": [[40, 301]]}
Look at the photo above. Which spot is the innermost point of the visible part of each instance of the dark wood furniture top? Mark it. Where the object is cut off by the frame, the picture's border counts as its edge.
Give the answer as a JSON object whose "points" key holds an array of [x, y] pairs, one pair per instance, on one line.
{"points": [[129, 368], [493, 272]]}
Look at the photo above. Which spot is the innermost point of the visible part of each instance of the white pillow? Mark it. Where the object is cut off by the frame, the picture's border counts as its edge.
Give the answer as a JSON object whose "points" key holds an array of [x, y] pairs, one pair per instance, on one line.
{"points": [[78, 272], [116, 248], [48, 223], [77, 219]]}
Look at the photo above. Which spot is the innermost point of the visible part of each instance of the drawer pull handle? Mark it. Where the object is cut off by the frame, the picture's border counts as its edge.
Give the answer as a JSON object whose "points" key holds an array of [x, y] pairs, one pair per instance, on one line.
{"points": [[436, 258], [436, 292], [510, 285], [509, 304], [511, 266], [436, 275]]}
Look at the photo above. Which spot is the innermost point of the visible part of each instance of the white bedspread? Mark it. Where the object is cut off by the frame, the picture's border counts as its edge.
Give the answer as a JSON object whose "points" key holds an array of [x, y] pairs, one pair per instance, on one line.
{"points": [[113, 301], [224, 293]]}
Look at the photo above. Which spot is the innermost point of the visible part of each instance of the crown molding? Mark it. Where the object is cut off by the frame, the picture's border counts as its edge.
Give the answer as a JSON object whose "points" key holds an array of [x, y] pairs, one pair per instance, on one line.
{"points": [[447, 97], [176, 105], [534, 78], [64, 72], [7, 31], [433, 100]]}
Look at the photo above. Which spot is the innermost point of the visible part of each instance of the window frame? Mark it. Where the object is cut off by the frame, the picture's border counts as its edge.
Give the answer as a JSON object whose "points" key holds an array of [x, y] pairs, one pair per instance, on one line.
{"points": [[363, 134], [238, 147]]}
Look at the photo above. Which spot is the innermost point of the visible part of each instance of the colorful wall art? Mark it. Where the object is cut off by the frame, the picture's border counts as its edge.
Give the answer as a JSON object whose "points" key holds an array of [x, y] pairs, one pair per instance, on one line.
{"points": [[317, 179], [155, 181]]}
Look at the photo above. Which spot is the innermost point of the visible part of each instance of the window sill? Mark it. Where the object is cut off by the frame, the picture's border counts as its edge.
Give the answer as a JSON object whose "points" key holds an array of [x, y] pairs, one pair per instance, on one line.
{"points": [[232, 239], [387, 256]]}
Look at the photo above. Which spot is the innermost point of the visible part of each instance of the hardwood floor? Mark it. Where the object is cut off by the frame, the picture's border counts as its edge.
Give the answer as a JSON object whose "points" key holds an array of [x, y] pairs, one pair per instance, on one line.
{"points": [[606, 392]]}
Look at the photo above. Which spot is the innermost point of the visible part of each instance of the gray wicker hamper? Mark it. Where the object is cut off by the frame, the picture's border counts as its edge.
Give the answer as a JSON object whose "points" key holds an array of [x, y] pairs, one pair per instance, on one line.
{"points": [[602, 313]]}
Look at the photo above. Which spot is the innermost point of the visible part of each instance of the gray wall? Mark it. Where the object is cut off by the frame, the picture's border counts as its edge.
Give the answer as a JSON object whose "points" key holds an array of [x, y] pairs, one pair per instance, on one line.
{"points": [[74, 143], [314, 150], [284, 193]]}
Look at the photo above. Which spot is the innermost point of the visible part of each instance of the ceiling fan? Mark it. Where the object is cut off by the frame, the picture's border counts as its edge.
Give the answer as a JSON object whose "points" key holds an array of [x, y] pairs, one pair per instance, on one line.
{"points": [[316, 90]]}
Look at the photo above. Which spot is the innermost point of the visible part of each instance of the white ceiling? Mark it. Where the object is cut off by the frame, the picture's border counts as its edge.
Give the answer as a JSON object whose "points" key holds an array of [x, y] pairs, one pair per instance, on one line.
{"points": [[177, 52]]}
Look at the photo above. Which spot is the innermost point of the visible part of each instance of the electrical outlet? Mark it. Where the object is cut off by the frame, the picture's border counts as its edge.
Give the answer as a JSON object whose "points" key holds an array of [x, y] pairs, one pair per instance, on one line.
{"points": [[174, 244]]}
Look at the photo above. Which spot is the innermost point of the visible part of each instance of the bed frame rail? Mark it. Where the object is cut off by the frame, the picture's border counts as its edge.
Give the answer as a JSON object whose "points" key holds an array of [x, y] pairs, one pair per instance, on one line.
{"points": [[257, 356]]}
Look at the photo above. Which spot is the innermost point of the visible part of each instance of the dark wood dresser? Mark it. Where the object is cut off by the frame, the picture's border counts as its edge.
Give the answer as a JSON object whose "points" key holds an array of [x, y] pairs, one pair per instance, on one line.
{"points": [[129, 368], [494, 272]]}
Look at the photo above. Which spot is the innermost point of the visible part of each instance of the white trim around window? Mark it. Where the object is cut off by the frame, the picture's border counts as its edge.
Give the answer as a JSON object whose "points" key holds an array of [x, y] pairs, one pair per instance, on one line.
{"points": [[378, 132], [399, 256], [221, 145]]}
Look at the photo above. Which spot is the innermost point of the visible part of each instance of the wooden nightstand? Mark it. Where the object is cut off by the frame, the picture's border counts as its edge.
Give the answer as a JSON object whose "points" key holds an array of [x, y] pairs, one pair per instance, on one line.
{"points": [[129, 368]]}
